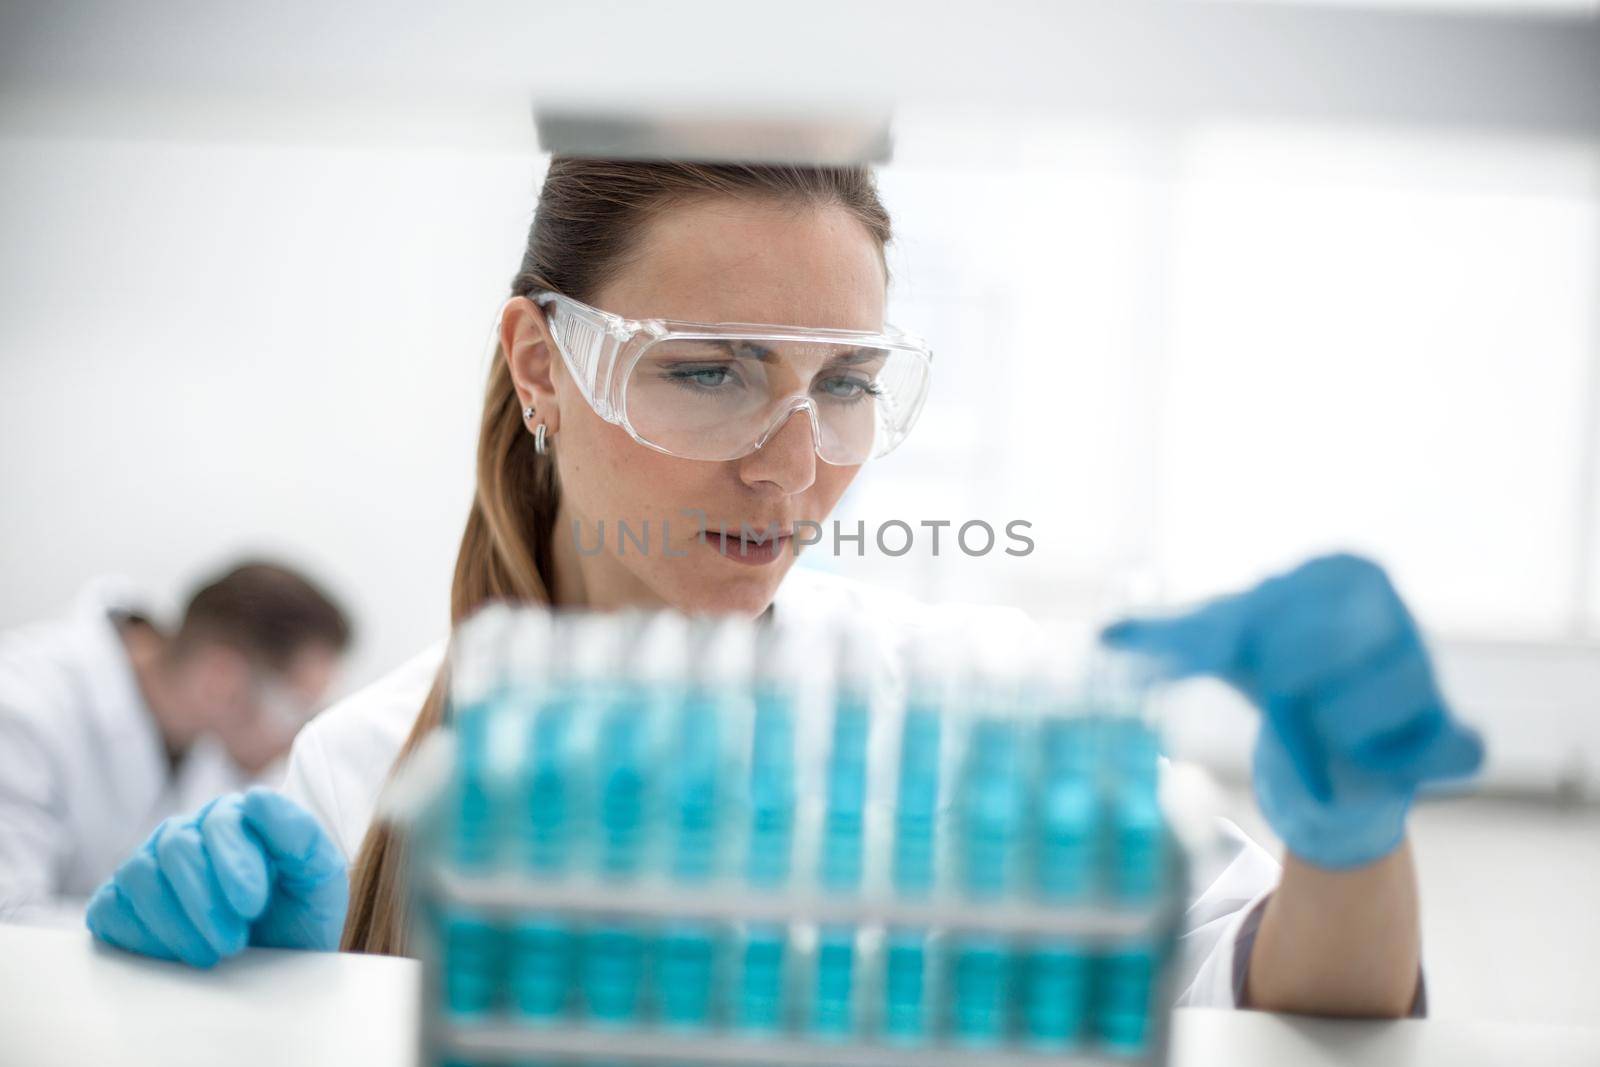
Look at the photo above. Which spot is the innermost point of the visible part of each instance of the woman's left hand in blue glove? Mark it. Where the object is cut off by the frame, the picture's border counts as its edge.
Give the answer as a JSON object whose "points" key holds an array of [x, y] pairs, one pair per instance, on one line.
{"points": [[1353, 718]]}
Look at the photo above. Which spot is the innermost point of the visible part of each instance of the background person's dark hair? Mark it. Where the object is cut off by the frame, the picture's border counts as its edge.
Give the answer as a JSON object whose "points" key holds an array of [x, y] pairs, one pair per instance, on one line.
{"points": [[266, 611]]}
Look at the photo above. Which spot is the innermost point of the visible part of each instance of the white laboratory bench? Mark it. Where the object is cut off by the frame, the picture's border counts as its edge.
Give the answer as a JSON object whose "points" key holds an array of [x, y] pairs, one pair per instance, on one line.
{"points": [[65, 999]]}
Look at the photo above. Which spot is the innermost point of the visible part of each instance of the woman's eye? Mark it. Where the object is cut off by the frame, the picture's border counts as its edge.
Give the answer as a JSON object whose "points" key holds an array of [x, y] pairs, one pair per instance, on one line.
{"points": [[703, 377], [848, 388]]}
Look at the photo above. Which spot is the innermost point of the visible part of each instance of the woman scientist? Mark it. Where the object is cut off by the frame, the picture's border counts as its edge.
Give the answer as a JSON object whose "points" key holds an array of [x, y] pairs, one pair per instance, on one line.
{"points": [[620, 392]]}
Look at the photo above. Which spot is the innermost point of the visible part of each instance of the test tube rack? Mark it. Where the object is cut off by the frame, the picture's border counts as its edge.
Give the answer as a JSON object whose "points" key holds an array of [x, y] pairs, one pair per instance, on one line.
{"points": [[640, 843]]}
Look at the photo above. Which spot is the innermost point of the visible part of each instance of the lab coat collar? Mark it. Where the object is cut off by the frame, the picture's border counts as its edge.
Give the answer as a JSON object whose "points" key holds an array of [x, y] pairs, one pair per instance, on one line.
{"points": [[116, 705]]}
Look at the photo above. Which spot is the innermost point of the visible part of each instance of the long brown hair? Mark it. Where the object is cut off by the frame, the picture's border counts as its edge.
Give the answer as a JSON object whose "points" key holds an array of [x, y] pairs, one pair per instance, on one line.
{"points": [[589, 221]]}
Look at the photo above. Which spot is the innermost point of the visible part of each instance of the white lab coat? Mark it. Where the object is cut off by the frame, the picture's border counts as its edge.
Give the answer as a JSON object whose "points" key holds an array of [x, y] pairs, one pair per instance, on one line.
{"points": [[84, 775], [341, 761]]}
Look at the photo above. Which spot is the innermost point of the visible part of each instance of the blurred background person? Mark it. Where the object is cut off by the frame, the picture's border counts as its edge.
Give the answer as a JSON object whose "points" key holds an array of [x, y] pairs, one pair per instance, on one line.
{"points": [[109, 722]]}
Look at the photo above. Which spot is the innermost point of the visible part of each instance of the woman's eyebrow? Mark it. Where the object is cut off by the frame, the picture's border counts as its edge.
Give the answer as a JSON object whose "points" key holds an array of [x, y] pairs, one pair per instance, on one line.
{"points": [[739, 349], [857, 356]]}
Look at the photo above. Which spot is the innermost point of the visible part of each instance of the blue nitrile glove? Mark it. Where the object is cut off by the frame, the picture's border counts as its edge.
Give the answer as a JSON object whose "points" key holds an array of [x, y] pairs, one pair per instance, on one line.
{"points": [[248, 868], [1354, 721]]}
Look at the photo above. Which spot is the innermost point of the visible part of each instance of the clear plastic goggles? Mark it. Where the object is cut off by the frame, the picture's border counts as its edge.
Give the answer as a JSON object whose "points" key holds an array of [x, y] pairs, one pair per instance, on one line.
{"points": [[719, 391]]}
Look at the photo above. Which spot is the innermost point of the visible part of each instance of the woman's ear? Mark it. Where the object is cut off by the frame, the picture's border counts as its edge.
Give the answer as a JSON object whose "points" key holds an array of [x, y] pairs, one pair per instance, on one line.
{"points": [[530, 354]]}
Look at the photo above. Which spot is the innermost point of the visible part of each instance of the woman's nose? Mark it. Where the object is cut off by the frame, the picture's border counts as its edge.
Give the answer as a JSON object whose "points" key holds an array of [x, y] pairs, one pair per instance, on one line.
{"points": [[788, 458]]}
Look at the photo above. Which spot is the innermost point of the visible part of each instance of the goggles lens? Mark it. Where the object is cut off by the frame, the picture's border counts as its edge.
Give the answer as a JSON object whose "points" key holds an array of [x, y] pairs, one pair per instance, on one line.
{"points": [[713, 391], [717, 398]]}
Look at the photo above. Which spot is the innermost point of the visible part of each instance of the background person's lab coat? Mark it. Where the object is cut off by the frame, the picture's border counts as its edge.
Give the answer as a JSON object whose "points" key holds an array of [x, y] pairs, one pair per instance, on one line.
{"points": [[342, 759], [84, 773]]}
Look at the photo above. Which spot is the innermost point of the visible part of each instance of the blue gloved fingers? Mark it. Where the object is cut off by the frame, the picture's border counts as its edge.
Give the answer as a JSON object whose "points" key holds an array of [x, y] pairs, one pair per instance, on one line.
{"points": [[1447, 749], [1353, 719], [311, 889], [110, 917], [1390, 696], [1207, 640], [189, 871], [301, 853], [1391, 719], [1457, 753], [1289, 720], [1321, 617], [237, 857], [1363, 822], [157, 907], [1305, 638], [1218, 639]]}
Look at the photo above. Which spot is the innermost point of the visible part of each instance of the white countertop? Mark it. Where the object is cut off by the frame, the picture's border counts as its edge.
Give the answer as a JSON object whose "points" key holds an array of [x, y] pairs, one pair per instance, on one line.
{"points": [[65, 999]]}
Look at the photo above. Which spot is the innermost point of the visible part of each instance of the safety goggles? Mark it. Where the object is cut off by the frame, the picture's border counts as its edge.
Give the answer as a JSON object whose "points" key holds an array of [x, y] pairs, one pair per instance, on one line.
{"points": [[719, 391]]}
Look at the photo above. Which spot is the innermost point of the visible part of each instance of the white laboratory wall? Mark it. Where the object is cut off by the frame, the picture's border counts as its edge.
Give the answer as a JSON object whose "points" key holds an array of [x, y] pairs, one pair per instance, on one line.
{"points": [[1029, 274], [213, 348], [1386, 343], [1208, 355]]}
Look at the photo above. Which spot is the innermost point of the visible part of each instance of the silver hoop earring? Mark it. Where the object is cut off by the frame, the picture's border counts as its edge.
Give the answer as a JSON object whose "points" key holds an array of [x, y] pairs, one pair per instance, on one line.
{"points": [[539, 445]]}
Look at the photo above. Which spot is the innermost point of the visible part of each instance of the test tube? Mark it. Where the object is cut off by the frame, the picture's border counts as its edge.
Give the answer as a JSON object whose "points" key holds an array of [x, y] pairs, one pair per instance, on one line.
{"points": [[688, 951], [1124, 990], [473, 962], [905, 970], [763, 964], [575, 652], [615, 953], [1139, 851], [470, 944], [991, 809], [1138, 855], [1057, 972], [843, 826], [481, 689], [470, 948], [647, 676], [577, 660]]}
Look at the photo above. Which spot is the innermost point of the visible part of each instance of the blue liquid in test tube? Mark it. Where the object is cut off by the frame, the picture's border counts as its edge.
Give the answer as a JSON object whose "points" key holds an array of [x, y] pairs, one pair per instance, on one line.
{"points": [[1057, 973], [1137, 860], [543, 944], [991, 815], [622, 764], [916, 812], [686, 950], [543, 947], [614, 954], [541, 970], [475, 833], [473, 960], [844, 818], [470, 945], [763, 962], [1138, 851], [687, 953], [1125, 987]]}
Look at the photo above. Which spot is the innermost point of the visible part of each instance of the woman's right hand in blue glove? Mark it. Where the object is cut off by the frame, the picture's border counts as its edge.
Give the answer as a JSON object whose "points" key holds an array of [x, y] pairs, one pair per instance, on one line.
{"points": [[249, 868], [1354, 719]]}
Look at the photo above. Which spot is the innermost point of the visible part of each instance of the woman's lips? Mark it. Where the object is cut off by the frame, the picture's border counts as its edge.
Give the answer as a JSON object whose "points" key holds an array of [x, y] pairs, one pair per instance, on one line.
{"points": [[756, 553]]}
